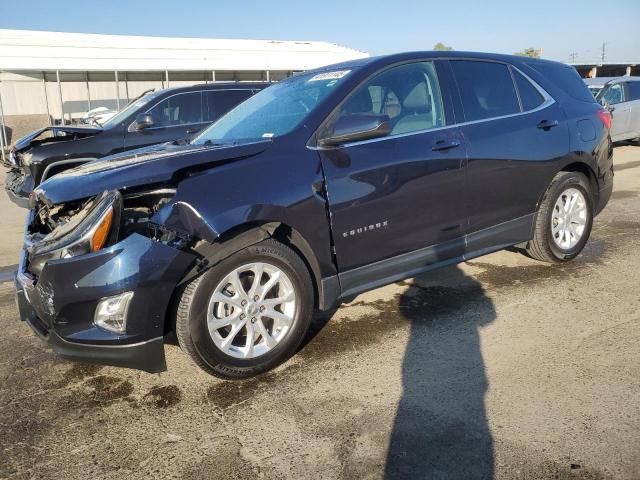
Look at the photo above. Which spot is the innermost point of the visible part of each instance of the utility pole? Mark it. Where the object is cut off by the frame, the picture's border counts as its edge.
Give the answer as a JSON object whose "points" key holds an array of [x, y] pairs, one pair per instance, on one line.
{"points": [[573, 56], [604, 44]]}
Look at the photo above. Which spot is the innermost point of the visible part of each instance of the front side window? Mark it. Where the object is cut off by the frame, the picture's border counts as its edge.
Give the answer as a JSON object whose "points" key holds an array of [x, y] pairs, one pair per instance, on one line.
{"points": [[180, 109], [633, 91], [612, 94], [529, 95], [274, 111], [486, 89], [408, 94]]}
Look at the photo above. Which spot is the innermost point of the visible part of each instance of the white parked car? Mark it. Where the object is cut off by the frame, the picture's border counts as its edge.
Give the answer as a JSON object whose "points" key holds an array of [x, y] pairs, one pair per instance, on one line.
{"points": [[622, 97], [99, 115]]}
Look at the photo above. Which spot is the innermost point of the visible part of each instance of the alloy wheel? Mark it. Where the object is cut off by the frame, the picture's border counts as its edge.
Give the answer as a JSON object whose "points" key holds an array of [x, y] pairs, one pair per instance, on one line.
{"points": [[251, 310], [569, 218]]}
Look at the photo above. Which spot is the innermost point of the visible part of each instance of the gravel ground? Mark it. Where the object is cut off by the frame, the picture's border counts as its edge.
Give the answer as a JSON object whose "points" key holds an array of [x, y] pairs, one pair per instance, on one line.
{"points": [[500, 367]]}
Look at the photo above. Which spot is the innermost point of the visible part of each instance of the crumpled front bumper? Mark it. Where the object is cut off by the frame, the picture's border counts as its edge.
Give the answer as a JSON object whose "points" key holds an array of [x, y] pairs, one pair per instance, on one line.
{"points": [[18, 186], [59, 305]]}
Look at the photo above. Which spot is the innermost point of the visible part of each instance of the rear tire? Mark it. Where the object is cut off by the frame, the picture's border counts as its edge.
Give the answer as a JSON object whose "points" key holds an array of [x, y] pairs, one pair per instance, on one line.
{"points": [[233, 327], [564, 219]]}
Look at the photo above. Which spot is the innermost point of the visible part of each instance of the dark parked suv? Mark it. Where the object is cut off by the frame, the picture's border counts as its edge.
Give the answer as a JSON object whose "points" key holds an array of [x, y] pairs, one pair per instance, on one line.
{"points": [[157, 117], [327, 184]]}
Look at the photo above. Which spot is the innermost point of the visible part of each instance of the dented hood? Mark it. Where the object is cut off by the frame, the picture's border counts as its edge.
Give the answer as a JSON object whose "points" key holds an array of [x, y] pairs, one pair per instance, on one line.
{"points": [[25, 141], [148, 166]]}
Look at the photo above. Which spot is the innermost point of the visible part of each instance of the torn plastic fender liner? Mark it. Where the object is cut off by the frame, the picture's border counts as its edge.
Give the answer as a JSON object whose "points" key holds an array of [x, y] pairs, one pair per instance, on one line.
{"points": [[182, 217]]}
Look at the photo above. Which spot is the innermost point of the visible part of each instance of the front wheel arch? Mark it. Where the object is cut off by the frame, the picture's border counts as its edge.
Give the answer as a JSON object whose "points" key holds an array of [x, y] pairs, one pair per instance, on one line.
{"points": [[243, 236]]}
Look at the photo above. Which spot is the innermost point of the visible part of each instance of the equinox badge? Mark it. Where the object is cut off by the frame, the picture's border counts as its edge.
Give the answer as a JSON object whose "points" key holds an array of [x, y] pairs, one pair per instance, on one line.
{"points": [[366, 228]]}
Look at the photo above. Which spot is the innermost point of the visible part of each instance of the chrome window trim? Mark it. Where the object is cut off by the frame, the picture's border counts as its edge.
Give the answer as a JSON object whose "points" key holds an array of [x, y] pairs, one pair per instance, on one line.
{"points": [[130, 129], [548, 101]]}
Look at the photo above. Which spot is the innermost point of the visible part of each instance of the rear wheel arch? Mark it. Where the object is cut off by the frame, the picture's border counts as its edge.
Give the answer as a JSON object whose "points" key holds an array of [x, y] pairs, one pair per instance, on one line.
{"points": [[587, 171]]}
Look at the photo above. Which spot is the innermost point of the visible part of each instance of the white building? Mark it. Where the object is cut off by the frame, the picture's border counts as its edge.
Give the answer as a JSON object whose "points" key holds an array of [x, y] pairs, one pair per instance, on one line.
{"points": [[45, 76]]}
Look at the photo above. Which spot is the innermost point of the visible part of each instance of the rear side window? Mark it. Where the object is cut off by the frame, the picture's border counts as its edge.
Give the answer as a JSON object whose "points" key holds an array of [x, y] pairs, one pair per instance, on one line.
{"points": [[529, 95], [633, 91], [180, 109], [486, 89], [219, 102], [565, 78]]}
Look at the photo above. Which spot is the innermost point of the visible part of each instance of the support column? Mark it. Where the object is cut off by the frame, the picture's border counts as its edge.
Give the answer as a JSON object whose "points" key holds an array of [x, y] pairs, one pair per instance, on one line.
{"points": [[166, 74], [268, 76], [46, 97], [86, 81], [628, 72], [3, 139], [126, 86], [117, 91], [213, 76], [60, 94]]}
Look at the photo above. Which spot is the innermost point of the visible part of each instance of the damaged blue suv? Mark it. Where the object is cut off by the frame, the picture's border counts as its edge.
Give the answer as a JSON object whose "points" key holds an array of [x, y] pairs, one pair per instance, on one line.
{"points": [[320, 187]]}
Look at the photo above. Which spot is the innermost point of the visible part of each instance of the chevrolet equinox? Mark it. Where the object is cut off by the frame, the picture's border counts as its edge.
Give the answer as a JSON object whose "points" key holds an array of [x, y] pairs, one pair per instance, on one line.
{"points": [[327, 184]]}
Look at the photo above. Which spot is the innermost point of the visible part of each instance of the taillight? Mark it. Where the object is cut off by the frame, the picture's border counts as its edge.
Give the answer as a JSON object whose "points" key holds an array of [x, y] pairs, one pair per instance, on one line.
{"points": [[605, 117]]}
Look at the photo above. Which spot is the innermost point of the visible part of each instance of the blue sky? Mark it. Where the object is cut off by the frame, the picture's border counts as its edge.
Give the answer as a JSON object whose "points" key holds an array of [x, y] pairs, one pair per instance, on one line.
{"points": [[559, 27]]}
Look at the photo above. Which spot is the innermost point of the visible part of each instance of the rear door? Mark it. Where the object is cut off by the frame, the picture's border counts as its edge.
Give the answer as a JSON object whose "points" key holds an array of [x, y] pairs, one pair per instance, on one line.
{"points": [[174, 118], [404, 191], [514, 133], [633, 104]]}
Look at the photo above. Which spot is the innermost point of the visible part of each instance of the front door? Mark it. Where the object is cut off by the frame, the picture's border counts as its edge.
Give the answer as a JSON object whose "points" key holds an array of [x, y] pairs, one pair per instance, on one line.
{"points": [[402, 192], [177, 117], [614, 97]]}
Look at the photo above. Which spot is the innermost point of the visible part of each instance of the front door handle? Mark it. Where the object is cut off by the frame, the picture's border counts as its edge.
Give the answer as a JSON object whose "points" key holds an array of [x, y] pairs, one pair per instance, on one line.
{"points": [[547, 124], [192, 130], [443, 145]]}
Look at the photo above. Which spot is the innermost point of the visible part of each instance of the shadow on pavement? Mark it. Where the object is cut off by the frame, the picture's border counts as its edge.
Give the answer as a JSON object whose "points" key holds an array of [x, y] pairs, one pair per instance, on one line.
{"points": [[441, 429]]}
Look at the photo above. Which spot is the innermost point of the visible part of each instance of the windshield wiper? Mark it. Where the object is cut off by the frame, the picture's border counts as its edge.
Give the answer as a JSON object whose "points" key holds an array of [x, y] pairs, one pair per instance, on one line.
{"points": [[215, 144]]}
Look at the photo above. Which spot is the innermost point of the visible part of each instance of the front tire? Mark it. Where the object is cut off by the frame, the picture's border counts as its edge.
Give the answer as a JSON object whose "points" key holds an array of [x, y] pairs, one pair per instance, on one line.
{"points": [[248, 313], [564, 219]]}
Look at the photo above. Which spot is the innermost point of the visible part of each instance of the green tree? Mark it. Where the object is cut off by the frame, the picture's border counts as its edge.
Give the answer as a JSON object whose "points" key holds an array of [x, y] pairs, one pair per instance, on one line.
{"points": [[442, 46], [530, 52]]}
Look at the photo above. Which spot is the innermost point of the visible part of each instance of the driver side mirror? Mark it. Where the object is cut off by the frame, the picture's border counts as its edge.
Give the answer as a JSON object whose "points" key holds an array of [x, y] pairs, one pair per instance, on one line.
{"points": [[354, 128], [143, 120]]}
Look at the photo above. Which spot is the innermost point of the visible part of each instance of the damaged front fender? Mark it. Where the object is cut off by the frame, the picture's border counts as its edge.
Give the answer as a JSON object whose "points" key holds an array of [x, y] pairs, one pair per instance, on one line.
{"points": [[184, 218]]}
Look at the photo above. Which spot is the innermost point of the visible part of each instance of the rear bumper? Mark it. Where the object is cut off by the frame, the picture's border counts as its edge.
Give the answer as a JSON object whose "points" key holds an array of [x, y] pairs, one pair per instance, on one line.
{"points": [[603, 197], [605, 188], [59, 305], [18, 187]]}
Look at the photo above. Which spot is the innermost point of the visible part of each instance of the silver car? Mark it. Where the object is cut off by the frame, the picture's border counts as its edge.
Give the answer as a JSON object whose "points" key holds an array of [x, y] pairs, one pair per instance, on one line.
{"points": [[622, 97]]}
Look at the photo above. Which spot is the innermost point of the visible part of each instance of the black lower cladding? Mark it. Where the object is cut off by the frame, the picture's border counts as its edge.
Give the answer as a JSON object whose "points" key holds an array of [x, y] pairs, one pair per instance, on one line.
{"points": [[60, 306]]}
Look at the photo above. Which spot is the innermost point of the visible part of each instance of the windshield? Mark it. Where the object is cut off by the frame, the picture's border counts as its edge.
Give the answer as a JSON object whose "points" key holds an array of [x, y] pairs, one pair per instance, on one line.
{"points": [[274, 111], [129, 109]]}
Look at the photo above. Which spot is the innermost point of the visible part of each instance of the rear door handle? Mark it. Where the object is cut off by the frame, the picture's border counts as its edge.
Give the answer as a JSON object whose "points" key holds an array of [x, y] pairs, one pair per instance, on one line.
{"points": [[547, 124], [192, 130], [442, 145]]}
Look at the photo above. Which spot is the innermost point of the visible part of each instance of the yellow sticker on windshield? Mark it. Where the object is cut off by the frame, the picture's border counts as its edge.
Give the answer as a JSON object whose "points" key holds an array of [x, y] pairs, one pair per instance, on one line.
{"points": [[329, 75]]}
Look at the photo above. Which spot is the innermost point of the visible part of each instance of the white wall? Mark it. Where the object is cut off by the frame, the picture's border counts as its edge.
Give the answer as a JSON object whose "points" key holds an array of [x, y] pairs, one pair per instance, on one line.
{"points": [[23, 93]]}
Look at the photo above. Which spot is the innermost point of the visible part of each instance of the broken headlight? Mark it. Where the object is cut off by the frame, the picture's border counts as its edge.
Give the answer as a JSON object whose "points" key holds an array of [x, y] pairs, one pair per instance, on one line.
{"points": [[90, 229]]}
